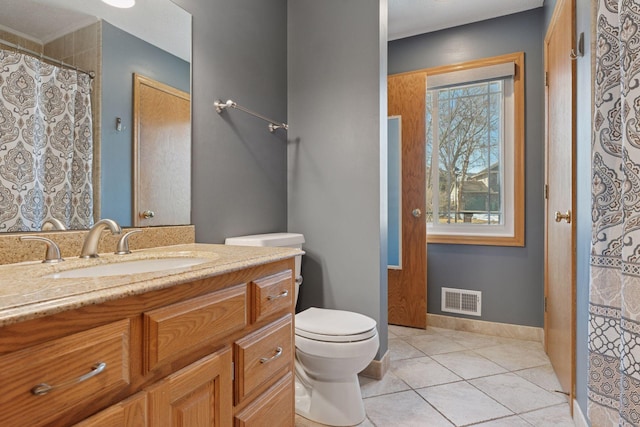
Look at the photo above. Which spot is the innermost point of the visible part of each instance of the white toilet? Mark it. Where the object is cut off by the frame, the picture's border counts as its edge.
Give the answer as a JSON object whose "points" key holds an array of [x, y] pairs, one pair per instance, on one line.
{"points": [[332, 346]]}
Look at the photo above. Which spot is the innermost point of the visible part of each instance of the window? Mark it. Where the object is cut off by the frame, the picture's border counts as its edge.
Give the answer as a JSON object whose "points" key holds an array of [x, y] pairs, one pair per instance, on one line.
{"points": [[474, 152]]}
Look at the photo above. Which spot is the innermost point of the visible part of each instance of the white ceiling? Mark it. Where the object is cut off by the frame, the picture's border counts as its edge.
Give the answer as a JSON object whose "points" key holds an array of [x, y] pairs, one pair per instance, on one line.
{"points": [[161, 23], [167, 26], [411, 17]]}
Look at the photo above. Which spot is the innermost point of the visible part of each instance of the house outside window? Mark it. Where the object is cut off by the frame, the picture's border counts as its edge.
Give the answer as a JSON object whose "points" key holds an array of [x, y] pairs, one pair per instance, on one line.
{"points": [[475, 146]]}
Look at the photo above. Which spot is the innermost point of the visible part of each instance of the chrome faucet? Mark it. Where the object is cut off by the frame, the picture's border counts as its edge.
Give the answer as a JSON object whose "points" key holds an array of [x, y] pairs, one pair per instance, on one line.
{"points": [[52, 224], [90, 246]]}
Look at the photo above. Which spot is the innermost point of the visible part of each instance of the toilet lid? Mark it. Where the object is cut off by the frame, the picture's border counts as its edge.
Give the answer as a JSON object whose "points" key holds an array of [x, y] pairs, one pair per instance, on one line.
{"points": [[322, 324]]}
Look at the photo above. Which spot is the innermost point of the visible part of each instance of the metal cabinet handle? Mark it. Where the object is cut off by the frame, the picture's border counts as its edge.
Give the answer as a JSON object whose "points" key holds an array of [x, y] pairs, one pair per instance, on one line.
{"points": [[275, 356], [44, 388], [280, 295], [566, 216]]}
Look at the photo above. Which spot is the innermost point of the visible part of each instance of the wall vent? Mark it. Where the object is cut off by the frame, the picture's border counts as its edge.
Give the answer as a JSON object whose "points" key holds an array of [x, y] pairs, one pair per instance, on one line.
{"points": [[462, 301]]}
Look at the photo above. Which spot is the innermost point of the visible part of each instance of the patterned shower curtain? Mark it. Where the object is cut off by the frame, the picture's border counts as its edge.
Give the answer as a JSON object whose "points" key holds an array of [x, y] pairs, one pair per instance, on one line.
{"points": [[614, 303], [46, 144]]}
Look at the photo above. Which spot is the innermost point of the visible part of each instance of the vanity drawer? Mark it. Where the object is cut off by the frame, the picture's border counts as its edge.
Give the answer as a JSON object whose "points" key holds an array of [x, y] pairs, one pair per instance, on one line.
{"points": [[80, 368], [262, 356], [273, 408], [272, 294], [175, 329]]}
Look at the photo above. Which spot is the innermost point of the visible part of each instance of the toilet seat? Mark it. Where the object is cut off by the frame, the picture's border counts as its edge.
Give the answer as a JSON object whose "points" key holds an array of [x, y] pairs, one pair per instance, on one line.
{"points": [[334, 326]]}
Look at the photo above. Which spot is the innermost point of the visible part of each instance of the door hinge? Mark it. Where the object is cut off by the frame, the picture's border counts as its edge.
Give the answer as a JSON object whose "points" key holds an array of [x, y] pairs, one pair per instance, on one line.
{"points": [[233, 371], [545, 304], [546, 78], [546, 191]]}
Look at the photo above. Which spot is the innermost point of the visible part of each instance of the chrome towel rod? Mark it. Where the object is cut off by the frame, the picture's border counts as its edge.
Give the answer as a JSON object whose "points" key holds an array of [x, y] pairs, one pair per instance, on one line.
{"points": [[273, 125]]}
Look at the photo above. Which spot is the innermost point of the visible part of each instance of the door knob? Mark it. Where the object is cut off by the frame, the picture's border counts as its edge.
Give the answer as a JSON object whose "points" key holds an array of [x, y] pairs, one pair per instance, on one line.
{"points": [[417, 213], [566, 216], [147, 214]]}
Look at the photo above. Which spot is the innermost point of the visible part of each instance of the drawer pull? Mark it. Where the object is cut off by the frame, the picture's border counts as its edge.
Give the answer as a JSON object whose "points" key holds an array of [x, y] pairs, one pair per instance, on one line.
{"points": [[280, 295], [274, 357], [45, 388]]}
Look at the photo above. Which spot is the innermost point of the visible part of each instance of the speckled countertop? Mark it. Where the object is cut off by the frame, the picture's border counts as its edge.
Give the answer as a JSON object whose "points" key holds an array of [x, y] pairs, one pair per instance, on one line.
{"points": [[25, 292]]}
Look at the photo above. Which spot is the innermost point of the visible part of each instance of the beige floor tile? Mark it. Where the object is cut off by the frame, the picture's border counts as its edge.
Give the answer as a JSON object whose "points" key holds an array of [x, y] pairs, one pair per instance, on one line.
{"points": [[516, 393], [434, 344], [468, 364], [472, 340], [389, 384], [516, 356], [542, 376], [303, 422], [557, 416], [514, 421], [463, 404], [400, 349], [402, 331], [404, 409], [422, 372]]}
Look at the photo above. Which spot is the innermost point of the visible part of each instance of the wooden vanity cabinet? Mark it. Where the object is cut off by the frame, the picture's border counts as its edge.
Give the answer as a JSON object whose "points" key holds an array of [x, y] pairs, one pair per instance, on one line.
{"points": [[211, 352]]}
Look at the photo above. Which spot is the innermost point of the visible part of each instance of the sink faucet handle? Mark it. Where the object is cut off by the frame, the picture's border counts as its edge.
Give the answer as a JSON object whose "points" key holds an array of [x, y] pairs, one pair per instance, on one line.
{"points": [[123, 242], [53, 250]]}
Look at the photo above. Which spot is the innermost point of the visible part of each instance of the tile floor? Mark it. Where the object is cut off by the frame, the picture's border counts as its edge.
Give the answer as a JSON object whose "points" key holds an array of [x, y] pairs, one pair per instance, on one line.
{"points": [[442, 377]]}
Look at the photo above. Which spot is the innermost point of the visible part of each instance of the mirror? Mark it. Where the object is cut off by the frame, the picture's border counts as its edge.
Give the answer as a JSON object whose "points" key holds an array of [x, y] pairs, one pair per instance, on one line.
{"points": [[152, 39]]}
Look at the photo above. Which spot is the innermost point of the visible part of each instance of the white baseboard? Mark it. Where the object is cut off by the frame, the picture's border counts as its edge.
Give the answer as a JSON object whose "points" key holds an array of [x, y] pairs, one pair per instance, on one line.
{"points": [[578, 417]]}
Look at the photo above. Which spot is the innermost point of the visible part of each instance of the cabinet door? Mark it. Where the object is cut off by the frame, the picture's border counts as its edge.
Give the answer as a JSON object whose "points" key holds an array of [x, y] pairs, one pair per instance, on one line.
{"points": [[131, 412], [196, 396]]}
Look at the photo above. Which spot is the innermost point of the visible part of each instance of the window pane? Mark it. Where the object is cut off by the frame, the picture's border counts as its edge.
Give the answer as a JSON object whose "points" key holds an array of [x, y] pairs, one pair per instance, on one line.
{"points": [[465, 135]]}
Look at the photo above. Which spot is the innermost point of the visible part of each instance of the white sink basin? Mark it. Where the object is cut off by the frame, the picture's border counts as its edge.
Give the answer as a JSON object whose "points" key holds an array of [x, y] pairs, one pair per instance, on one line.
{"points": [[130, 267]]}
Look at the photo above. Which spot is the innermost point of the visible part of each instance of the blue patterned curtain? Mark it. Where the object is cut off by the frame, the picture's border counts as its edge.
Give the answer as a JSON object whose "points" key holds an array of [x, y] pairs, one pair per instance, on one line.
{"points": [[614, 306], [46, 145]]}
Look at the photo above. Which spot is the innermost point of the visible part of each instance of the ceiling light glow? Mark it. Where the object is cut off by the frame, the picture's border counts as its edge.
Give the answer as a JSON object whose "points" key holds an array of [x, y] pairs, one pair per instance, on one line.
{"points": [[120, 3]]}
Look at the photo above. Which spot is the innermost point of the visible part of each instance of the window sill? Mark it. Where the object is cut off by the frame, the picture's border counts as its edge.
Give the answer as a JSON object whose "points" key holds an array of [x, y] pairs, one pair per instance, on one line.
{"points": [[514, 241]]}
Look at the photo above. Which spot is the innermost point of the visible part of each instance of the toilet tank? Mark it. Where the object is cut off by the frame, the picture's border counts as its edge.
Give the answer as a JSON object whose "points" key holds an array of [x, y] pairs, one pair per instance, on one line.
{"points": [[283, 240]]}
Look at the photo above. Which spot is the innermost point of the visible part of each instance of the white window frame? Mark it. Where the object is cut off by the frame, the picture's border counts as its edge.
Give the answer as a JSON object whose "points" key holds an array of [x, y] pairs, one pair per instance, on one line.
{"points": [[511, 230]]}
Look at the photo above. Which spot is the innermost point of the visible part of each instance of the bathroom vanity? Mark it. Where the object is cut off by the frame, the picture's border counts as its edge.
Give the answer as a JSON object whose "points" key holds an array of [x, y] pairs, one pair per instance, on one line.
{"points": [[208, 344]]}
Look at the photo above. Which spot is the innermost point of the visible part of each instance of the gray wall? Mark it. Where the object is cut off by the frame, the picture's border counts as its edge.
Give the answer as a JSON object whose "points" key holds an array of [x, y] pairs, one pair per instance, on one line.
{"points": [[511, 279], [239, 176], [123, 55], [337, 153]]}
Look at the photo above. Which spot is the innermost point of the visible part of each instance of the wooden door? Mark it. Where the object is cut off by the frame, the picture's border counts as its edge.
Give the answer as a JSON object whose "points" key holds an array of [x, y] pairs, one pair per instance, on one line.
{"points": [[407, 287], [199, 395], [162, 154], [560, 200]]}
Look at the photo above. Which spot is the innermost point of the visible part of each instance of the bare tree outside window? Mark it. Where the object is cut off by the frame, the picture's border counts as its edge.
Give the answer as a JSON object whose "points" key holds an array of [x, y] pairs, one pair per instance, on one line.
{"points": [[464, 125]]}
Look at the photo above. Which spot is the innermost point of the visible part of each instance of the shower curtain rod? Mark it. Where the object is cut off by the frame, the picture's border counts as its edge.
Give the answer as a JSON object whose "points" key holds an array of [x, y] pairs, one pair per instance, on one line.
{"points": [[273, 124], [40, 56]]}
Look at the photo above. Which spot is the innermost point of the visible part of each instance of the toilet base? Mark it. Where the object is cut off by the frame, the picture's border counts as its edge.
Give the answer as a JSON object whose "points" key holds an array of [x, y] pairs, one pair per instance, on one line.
{"points": [[335, 403]]}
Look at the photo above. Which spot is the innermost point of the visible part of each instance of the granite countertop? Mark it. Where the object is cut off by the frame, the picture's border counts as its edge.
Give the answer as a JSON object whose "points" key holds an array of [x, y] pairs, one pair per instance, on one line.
{"points": [[25, 292]]}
